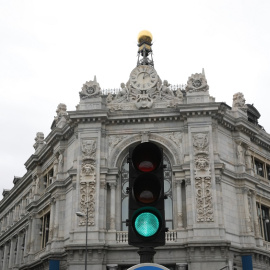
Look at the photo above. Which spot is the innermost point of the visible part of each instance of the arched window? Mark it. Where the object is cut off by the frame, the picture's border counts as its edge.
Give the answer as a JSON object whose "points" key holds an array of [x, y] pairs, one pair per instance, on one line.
{"points": [[167, 190]]}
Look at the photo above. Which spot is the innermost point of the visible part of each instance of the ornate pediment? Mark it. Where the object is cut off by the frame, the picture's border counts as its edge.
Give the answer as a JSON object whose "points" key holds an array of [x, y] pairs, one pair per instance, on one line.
{"points": [[144, 90]]}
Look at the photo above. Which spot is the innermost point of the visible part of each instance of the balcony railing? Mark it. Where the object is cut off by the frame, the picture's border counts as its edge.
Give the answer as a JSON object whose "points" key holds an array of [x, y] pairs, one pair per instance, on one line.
{"points": [[122, 237]]}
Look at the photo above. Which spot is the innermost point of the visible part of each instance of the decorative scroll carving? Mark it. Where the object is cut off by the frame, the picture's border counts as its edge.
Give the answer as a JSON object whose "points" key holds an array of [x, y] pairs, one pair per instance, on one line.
{"points": [[203, 183], [88, 190], [88, 181], [90, 89], [114, 140], [197, 83], [204, 200], [176, 137]]}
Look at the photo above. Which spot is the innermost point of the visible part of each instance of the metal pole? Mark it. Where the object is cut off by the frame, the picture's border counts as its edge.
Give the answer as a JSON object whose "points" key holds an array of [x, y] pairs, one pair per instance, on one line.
{"points": [[86, 237]]}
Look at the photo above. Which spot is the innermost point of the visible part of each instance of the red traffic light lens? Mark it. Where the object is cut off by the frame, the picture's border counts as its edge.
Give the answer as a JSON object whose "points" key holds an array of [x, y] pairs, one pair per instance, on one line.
{"points": [[147, 188], [146, 157]]}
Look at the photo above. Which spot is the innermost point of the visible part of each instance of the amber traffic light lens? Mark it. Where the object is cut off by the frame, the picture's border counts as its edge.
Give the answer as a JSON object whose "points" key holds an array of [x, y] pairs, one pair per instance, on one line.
{"points": [[146, 157]]}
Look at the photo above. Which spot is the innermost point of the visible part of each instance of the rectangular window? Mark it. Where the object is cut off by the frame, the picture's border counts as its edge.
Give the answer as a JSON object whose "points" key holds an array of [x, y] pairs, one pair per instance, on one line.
{"points": [[259, 167], [48, 178], [263, 214], [268, 172], [44, 230]]}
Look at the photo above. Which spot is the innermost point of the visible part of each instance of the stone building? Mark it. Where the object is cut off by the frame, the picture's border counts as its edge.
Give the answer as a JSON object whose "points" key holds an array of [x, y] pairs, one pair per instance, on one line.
{"points": [[216, 179]]}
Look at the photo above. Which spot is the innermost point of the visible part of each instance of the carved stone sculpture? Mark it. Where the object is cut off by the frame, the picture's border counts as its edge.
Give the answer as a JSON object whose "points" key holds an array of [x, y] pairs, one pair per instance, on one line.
{"points": [[61, 111], [200, 143], [239, 101], [39, 141], [90, 89], [204, 199], [88, 181], [197, 83]]}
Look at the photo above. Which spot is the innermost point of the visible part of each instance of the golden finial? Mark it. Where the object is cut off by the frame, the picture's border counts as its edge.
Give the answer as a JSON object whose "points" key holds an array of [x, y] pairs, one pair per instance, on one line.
{"points": [[146, 36]]}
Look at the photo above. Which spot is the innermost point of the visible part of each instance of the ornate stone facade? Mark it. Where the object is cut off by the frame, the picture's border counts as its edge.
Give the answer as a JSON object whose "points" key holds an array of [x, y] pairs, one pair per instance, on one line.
{"points": [[217, 178]]}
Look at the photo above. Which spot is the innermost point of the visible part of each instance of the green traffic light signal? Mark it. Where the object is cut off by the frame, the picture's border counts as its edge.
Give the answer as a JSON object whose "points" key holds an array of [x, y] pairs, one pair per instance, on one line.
{"points": [[146, 224]]}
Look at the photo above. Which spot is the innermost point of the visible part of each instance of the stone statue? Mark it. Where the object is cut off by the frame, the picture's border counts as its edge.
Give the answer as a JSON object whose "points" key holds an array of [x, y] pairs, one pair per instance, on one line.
{"points": [[239, 153], [238, 100]]}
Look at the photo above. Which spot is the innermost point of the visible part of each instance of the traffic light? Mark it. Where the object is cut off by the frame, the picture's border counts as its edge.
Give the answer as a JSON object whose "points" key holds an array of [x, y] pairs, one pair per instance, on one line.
{"points": [[146, 224]]}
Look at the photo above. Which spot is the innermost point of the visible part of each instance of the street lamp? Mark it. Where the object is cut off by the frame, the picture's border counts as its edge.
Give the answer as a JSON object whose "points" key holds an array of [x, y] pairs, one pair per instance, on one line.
{"points": [[80, 214]]}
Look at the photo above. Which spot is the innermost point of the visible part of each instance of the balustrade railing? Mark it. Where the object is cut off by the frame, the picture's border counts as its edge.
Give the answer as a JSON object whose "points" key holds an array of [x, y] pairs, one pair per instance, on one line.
{"points": [[122, 237], [114, 91]]}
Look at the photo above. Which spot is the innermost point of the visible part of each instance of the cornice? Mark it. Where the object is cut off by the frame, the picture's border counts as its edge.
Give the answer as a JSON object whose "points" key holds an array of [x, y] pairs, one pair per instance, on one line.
{"points": [[16, 191]]}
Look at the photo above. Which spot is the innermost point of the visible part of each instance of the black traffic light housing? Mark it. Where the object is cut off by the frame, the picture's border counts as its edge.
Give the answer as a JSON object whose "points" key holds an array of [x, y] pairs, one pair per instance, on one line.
{"points": [[146, 224]]}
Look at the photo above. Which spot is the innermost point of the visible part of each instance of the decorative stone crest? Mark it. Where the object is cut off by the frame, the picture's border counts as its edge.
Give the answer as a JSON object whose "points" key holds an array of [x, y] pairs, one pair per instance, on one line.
{"points": [[197, 83], [200, 143], [88, 181], [144, 101], [90, 89]]}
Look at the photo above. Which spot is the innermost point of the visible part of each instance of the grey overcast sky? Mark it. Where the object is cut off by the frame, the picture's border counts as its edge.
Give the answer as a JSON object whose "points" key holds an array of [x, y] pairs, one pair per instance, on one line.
{"points": [[48, 49]]}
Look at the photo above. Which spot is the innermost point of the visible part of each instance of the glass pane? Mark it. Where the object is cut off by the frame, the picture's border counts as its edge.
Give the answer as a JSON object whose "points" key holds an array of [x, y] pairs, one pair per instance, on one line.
{"points": [[168, 208], [167, 186], [125, 209], [169, 225]]}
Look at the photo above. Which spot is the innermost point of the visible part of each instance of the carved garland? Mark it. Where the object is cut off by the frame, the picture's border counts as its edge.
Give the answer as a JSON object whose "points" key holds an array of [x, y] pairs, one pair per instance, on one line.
{"points": [[203, 185], [88, 181]]}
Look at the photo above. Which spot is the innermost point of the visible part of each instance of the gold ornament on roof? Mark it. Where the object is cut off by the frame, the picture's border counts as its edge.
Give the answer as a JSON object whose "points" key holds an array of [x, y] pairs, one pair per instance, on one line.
{"points": [[145, 36]]}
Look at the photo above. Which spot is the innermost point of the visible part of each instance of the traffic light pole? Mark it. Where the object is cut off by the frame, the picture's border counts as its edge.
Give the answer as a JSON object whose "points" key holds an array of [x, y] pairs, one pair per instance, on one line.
{"points": [[146, 254]]}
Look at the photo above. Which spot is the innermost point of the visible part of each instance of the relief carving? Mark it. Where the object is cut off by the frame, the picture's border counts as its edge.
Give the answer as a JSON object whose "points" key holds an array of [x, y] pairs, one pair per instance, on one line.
{"points": [[203, 182], [200, 143], [202, 162], [88, 181], [90, 89], [197, 83], [204, 200]]}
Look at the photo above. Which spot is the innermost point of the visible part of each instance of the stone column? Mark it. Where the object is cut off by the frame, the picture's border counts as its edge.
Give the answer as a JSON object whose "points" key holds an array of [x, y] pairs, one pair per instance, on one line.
{"points": [[246, 209], [33, 235], [52, 217], [12, 252], [5, 261], [27, 241], [19, 249], [178, 183], [112, 216], [255, 215], [189, 209], [56, 219], [112, 266]]}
